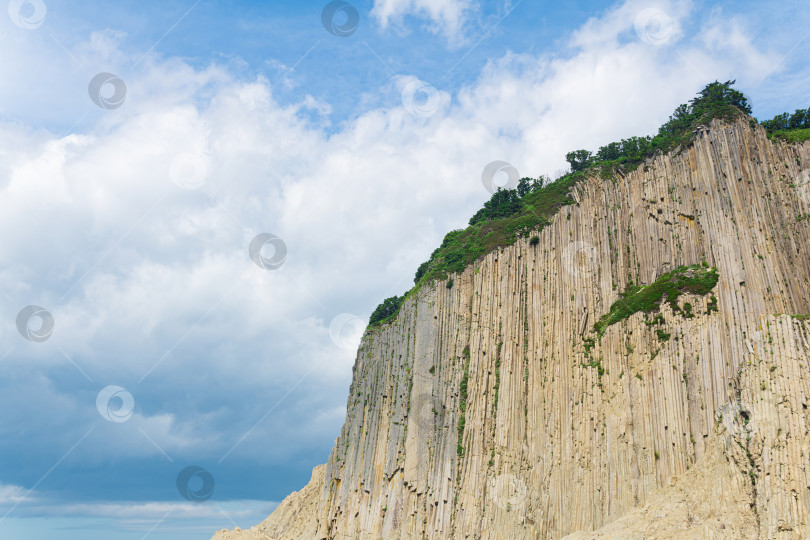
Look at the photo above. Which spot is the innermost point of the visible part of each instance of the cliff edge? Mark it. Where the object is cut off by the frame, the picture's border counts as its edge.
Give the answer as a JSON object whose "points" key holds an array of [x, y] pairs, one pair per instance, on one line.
{"points": [[495, 405]]}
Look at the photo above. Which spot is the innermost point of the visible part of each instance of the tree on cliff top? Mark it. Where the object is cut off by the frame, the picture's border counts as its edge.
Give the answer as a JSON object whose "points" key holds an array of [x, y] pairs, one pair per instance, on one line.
{"points": [[716, 100]]}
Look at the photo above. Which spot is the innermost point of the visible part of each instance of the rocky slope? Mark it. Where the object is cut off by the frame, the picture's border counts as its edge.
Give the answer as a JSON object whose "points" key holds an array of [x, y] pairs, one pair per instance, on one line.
{"points": [[700, 434]]}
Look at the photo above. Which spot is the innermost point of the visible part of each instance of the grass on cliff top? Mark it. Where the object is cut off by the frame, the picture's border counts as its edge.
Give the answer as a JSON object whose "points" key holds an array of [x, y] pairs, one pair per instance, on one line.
{"points": [[716, 101], [461, 248], [506, 216], [789, 127], [791, 135], [696, 279]]}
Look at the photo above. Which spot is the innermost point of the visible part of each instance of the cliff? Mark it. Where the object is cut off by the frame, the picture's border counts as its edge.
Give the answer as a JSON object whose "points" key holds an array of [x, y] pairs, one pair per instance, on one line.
{"points": [[493, 409]]}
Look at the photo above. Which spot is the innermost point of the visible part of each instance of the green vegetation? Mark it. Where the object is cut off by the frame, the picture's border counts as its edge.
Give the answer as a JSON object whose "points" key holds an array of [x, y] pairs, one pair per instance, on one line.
{"points": [[796, 135], [712, 305], [597, 365], [696, 279], [786, 121], [511, 214], [790, 127], [662, 336], [687, 311], [387, 310], [716, 100], [802, 317], [504, 218]]}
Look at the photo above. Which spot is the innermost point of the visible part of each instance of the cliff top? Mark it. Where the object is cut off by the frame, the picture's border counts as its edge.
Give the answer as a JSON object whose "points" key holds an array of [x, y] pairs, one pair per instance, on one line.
{"points": [[533, 202]]}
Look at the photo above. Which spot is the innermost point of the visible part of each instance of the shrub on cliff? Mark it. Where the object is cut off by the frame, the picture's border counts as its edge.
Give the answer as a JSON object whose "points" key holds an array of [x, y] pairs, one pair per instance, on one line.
{"points": [[790, 127], [510, 214], [386, 310], [716, 100]]}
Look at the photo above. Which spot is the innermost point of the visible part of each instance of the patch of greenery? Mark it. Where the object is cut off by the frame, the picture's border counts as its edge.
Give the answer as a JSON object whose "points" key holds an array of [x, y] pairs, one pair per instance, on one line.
{"points": [[716, 101], [662, 336], [387, 310], [696, 279], [802, 317], [787, 121], [712, 305], [793, 135], [510, 214], [789, 127], [597, 365]]}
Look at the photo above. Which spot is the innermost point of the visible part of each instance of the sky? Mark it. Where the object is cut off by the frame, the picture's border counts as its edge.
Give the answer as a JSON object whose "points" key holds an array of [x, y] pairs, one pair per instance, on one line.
{"points": [[201, 202]]}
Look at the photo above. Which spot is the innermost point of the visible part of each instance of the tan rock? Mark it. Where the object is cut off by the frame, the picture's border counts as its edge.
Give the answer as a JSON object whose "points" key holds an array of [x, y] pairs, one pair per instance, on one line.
{"points": [[291, 520], [704, 435]]}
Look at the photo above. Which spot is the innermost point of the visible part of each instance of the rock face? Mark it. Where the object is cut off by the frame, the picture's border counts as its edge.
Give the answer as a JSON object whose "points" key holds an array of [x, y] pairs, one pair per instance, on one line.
{"points": [[292, 519], [702, 435]]}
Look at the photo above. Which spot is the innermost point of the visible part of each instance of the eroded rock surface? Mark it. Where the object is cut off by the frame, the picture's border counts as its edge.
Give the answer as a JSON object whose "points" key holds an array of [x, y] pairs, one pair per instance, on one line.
{"points": [[702, 435]]}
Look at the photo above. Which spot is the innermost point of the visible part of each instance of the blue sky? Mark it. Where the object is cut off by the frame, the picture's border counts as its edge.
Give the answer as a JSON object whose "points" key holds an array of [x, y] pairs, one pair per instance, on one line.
{"points": [[131, 225]]}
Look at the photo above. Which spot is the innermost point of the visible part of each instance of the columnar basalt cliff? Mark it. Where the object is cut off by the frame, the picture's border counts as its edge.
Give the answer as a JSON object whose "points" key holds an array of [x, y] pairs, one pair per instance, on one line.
{"points": [[492, 408]]}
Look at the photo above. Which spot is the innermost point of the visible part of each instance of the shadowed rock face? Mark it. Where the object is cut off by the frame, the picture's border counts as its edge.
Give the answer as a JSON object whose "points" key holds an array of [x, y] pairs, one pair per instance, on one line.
{"points": [[703, 434]]}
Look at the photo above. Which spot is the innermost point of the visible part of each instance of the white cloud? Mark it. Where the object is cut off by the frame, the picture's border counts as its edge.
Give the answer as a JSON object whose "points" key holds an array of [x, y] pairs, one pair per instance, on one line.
{"points": [[446, 17], [11, 495], [151, 511], [142, 516]]}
